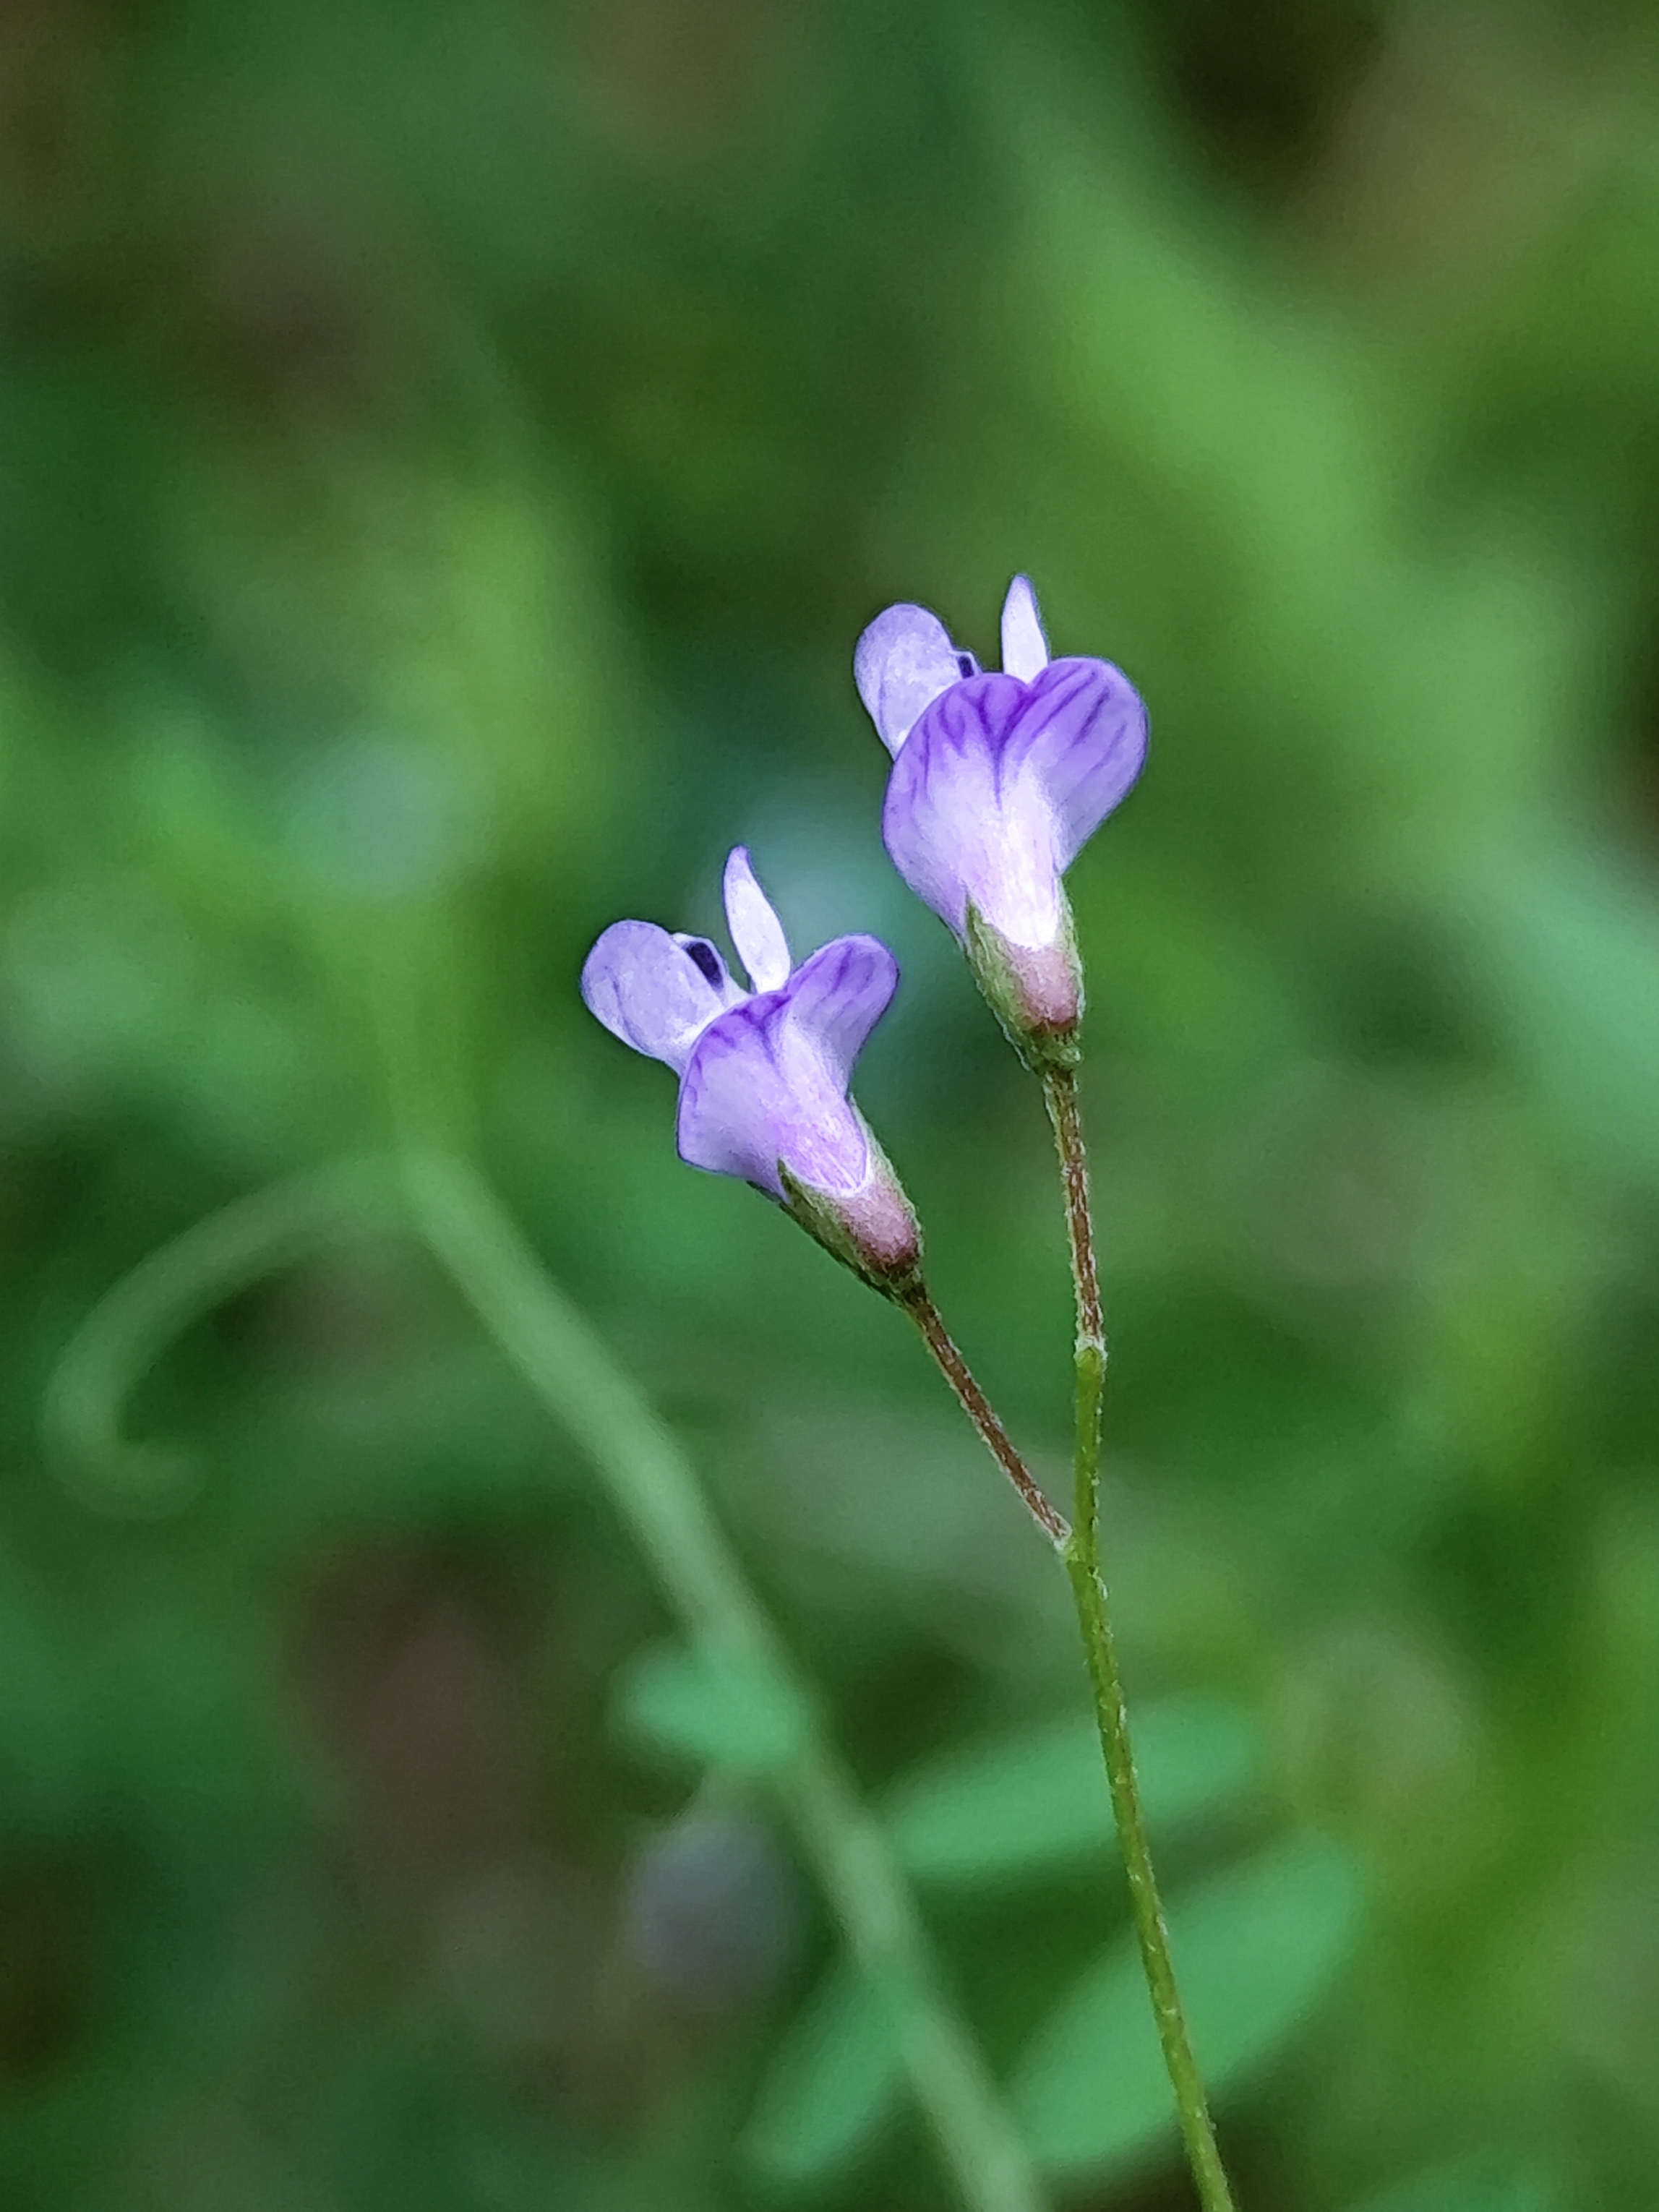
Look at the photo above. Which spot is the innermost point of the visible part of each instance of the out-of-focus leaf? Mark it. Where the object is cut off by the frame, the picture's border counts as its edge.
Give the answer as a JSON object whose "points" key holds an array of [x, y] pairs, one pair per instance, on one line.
{"points": [[1470, 2186], [1025, 1804], [716, 1711], [1571, 946], [1255, 1949], [831, 2088]]}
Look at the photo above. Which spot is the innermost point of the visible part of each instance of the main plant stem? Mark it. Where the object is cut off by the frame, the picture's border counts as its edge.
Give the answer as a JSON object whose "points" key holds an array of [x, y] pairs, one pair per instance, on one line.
{"points": [[1082, 1556]]}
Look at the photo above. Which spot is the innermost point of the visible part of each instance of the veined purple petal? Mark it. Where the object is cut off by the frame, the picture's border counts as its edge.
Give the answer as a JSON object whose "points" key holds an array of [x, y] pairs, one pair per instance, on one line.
{"points": [[1081, 734], [1024, 644], [766, 1082], [756, 930], [903, 661], [655, 992], [840, 993], [1001, 783], [952, 835]]}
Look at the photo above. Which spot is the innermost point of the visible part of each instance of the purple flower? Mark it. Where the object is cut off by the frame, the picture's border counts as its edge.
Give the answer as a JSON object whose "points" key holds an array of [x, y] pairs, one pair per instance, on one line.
{"points": [[998, 782], [763, 1074]]}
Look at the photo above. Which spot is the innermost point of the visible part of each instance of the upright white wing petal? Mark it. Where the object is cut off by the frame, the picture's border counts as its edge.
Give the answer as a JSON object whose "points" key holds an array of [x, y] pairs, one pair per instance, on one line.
{"points": [[756, 930], [1025, 648]]}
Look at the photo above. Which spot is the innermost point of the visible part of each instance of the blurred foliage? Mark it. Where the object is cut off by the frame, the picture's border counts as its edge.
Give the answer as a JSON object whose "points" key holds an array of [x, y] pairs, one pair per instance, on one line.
{"points": [[447, 457]]}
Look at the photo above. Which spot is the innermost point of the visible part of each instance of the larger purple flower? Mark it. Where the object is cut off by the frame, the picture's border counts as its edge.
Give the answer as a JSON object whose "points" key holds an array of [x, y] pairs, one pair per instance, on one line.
{"points": [[764, 1073], [998, 781]]}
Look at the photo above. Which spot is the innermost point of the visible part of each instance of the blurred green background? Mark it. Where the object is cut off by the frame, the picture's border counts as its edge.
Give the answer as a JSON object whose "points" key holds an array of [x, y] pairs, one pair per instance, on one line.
{"points": [[446, 455]]}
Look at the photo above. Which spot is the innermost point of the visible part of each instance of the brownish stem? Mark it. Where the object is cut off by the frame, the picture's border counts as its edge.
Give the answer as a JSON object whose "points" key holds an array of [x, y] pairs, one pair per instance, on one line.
{"points": [[1060, 1089], [956, 1372]]}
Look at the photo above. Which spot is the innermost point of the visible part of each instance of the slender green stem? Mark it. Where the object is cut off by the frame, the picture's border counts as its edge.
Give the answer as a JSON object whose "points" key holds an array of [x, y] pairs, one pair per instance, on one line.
{"points": [[977, 1406], [1094, 1613], [657, 1492]]}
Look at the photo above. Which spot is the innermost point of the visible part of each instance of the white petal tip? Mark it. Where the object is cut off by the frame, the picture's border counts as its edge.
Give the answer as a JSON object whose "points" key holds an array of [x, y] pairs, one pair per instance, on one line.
{"points": [[756, 930], [1024, 646]]}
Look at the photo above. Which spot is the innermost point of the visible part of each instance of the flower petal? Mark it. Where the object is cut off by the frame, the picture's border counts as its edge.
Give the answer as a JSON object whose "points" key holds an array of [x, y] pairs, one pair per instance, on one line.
{"points": [[756, 930], [840, 993], [655, 992], [903, 661], [953, 833], [1081, 734], [1000, 784], [1024, 646], [767, 1083]]}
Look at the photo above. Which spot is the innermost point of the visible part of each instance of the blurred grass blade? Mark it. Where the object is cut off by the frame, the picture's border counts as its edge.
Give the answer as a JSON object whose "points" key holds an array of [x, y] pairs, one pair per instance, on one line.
{"points": [[656, 1489], [1255, 1948], [1023, 1805]]}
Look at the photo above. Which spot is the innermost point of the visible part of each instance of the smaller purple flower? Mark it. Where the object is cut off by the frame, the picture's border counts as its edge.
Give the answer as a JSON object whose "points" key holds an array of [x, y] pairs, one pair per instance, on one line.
{"points": [[998, 782], [764, 1072]]}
